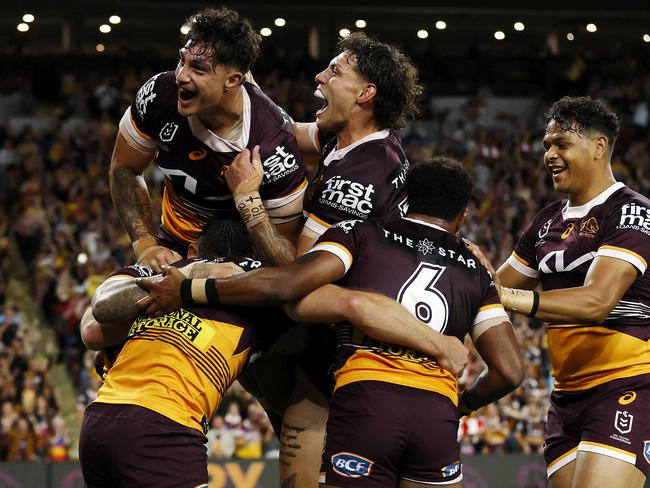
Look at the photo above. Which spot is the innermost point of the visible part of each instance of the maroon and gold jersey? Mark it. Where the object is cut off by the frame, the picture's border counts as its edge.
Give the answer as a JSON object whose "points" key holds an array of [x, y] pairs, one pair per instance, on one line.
{"points": [[192, 157], [432, 274], [181, 364], [558, 247], [361, 181]]}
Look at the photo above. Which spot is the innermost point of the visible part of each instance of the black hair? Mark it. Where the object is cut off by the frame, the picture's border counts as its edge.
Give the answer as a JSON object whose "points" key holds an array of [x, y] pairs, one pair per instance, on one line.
{"points": [[439, 188], [227, 37], [224, 237], [394, 74], [584, 114]]}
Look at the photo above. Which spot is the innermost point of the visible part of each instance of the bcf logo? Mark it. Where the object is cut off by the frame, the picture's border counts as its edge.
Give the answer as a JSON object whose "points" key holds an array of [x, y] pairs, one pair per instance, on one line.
{"points": [[351, 465]]}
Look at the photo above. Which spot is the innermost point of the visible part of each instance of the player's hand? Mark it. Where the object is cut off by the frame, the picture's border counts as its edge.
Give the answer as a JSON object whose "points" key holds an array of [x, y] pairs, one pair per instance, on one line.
{"points": [[202, 270], [245, 174], [154, 257], [164, 295], [453, 355], [476, 251]]}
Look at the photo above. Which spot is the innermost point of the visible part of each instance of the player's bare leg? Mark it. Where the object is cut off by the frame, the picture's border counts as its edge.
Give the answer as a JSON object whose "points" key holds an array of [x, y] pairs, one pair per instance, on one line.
{"points": [[593, 469], [563, 477], [303, 436]]}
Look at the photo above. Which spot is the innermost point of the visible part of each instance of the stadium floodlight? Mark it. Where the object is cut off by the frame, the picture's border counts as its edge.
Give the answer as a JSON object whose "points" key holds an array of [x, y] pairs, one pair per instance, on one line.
{"points": [[280, 22], [499, 35], [423, 34], [82, 258], [570, 36], [185, 28], [28, 18], [104, 28], [266, 31], [519, 26], [22, 27], [360, 23], [591, 28], [646, 37], [344, 32], [441, 25], [115, 19], [100, 48]]}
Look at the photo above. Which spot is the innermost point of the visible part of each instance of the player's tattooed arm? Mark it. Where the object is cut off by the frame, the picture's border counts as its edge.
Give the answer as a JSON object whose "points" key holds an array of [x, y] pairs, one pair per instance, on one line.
{"points": [[244, 176], [115, 300]]}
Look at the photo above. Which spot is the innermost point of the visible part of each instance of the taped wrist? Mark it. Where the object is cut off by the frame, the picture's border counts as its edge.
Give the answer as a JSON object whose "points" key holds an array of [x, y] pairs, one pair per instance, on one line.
{"points": [[523, 301], [141, 245], [251, 208], [199, 292]]}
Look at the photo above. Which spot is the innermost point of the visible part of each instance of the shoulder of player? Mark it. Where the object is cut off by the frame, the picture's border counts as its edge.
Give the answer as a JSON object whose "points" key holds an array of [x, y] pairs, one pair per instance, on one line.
{"points": [[159, 92], [627, 195], [262, 107]]}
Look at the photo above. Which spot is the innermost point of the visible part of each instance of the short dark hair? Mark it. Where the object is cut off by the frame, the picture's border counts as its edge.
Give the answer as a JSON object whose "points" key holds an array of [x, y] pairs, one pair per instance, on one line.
{"points": [[394, 74], [230, 39], [439, 188], [224, 237], [585, 114]]}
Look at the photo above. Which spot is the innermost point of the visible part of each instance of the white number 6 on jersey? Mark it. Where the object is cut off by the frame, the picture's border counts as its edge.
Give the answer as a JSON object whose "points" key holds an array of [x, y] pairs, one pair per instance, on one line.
{"points": [[420, 297]]}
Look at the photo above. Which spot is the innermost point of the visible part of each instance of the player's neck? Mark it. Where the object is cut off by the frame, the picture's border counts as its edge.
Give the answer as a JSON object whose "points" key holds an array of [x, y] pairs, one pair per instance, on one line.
{"points": [[445, 224], [596, 187], [226, 120], [354, 132]]}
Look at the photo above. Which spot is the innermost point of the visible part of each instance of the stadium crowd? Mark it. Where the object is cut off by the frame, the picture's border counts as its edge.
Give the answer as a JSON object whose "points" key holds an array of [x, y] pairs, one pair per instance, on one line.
{"points": [[58, 223]]}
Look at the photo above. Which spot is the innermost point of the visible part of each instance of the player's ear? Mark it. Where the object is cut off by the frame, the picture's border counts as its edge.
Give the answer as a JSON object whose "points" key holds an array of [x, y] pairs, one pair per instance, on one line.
{"points": [[602, 146], [368, 93], [235, 78], [193, 251]]}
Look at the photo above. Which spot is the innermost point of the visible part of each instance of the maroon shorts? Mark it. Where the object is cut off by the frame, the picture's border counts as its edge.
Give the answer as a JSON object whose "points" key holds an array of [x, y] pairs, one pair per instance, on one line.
{"points": [[131, 446], [612, 419], [379, 433]]}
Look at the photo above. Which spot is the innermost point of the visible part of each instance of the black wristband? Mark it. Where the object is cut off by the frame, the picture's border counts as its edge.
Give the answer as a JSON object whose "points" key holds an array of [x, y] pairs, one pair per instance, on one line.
{"points": [[533, 310], [186, 292], [211, 292]]}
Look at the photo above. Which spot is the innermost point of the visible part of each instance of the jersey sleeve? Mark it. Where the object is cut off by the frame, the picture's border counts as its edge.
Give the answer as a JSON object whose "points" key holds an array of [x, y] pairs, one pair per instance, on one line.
{"points": [[133, 271], [344, 240], [625, 234], [523, 258], [141, 121], [490, 312]]}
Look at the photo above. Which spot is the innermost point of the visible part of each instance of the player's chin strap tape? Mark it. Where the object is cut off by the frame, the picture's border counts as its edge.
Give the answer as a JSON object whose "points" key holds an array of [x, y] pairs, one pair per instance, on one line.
{"points": [[199, 292]]}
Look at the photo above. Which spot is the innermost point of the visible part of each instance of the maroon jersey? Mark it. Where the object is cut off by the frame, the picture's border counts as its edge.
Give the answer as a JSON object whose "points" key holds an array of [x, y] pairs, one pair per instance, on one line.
{"points": [[192, 158], [361, 181], [558, 247], [431, 273]]}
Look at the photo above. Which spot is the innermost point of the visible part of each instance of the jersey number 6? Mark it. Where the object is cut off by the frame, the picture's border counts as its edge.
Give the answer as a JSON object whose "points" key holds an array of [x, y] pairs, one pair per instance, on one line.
{"points": [[420, 296]]}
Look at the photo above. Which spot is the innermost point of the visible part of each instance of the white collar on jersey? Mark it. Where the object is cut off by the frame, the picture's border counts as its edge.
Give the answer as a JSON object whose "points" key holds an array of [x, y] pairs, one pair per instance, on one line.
{"points": [[216, 143], [337, 154], [428, 224], [582, 210]]}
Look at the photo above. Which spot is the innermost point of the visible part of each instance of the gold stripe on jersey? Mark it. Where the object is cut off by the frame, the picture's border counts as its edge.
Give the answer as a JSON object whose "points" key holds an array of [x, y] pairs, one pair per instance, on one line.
{"points": [[584, 356], [338, 250], [140, 133], [178, 365], [177, 218], [398, 365], [520, 259]]}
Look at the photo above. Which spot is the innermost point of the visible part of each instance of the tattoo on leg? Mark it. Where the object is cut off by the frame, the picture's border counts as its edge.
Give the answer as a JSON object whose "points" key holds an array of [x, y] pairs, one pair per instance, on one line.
{"points": [[290, 482], [289, 443]]}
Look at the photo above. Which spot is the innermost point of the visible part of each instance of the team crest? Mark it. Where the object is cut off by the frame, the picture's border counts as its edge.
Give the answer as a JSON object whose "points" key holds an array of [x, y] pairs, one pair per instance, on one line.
{"points": [[646, 451], [623, 422], [168, 131], [589, 228]]}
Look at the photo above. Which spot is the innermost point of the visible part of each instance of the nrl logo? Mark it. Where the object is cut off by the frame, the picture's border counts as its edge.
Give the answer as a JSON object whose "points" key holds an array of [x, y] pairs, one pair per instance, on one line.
{"points": [[646, 451], [623, 422], [168, 131], [589, 228]]}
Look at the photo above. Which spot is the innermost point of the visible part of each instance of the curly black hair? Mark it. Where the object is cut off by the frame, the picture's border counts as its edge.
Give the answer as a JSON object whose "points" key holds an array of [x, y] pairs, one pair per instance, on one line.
{"points": [[223, 34], [584, 114], [441, 188], [224, 237], [394, 74]]}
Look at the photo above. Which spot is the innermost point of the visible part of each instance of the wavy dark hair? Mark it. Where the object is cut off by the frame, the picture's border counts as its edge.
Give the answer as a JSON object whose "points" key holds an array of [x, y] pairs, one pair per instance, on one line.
{"points": [[229, 38], [584, 114], [394, 74], [224, 237], [439, 188]]}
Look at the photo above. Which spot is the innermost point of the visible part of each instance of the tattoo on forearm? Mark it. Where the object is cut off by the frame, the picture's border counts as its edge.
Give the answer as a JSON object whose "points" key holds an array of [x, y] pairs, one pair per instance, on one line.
{"points": [[271, 245], [117, 303], [132, 202]]}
